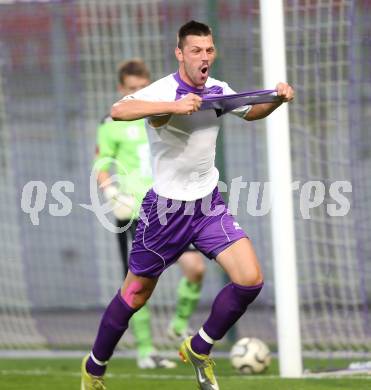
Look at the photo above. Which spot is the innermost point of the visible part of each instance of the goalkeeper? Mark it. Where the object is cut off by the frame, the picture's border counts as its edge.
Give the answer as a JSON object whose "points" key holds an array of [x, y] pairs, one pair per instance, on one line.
{"points": [[125, 145]]}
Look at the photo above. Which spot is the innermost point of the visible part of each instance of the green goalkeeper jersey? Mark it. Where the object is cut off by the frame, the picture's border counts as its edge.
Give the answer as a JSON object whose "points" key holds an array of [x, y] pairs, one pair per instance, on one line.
{"points": [[123, 148]]}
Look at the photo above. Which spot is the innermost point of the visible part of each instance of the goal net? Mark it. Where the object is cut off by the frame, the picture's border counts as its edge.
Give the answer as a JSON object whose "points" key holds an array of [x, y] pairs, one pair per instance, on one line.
{"points": [[58, 63]]}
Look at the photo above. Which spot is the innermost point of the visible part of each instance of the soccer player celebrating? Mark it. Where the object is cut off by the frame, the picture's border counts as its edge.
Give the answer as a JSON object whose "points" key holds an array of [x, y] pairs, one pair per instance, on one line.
{"points": [[184, 205], [126, 144]]}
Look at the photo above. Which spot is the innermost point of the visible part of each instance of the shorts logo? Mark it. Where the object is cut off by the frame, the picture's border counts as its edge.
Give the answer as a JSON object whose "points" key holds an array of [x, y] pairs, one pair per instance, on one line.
{"points": [[237, 226]]}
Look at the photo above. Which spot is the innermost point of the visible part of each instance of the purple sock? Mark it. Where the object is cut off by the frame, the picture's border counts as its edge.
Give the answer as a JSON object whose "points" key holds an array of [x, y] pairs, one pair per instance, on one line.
{"points": [[228, 307], [200, 346], [112, 326]]}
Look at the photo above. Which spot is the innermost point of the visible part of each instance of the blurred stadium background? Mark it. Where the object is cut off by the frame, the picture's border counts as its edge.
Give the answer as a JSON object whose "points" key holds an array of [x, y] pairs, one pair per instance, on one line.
{"points": [[57, 80]]}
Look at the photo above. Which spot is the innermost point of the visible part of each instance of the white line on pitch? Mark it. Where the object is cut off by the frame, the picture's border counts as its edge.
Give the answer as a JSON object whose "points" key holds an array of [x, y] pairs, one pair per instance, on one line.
{"points": [[160, 376]]}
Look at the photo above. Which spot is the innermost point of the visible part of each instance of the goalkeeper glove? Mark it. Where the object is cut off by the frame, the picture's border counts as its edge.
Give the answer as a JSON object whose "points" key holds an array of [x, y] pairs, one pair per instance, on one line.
{"points": [[123, 205]]}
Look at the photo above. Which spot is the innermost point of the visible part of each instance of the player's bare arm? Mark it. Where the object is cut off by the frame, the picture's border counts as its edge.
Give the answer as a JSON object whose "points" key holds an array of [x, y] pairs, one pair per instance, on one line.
{"points": [[132, 109], [260, 111]]}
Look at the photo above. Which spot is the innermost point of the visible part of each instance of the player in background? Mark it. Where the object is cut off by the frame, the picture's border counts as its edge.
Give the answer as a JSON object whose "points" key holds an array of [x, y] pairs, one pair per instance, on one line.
{"points": [[182, 142], [123, 147]]}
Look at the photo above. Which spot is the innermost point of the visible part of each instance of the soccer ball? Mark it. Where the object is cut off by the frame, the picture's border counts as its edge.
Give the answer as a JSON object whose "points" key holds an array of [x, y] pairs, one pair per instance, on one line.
{"points": [[250, 356]]}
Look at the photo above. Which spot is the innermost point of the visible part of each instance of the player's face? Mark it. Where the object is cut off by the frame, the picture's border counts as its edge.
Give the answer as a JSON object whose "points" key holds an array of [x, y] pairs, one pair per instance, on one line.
{"points": [[196, 59], [131, 84]]}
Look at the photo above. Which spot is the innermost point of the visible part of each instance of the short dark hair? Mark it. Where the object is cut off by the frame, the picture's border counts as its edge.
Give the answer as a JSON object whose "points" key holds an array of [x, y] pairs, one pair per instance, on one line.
{"points": [[192, 28], [133, 67]]}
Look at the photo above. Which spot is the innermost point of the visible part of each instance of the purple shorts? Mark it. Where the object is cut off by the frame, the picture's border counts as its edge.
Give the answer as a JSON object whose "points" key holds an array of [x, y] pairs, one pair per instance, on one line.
{"points": [[167, 227]]}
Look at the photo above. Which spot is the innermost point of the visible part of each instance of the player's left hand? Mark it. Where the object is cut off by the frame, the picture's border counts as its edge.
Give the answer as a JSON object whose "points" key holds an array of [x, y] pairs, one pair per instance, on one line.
{"points": [[123, 206], [285, 91]]}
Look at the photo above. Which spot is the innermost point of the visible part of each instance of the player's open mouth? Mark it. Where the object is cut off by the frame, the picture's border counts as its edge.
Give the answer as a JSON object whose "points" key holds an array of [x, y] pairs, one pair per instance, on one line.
{"points": [[204, 69]]}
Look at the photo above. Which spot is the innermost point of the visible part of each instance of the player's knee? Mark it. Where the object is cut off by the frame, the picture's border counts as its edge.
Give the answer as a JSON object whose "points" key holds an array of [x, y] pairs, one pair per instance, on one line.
{"points": [[193, 266], [196, 270], [139, 301], [256, 277], [135, 295], [252, 277]]}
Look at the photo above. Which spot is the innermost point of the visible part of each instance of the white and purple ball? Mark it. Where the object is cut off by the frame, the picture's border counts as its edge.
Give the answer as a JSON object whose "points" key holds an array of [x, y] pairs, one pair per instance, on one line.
{"points": [[250, 356]]}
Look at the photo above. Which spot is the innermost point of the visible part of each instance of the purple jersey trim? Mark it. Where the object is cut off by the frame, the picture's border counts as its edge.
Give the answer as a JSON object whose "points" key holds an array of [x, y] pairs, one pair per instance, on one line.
{"points": [[223, 104], [184, 88], [214, 99], [239, 94]]}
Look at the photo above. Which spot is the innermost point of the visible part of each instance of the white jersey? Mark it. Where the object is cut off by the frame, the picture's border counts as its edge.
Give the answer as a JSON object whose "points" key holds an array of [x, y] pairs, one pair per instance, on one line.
{"points": [[183, 150]]}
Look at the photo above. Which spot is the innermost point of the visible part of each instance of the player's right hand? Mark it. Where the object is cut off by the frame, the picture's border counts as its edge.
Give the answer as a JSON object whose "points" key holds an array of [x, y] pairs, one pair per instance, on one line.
{"points": [[187, 105]]}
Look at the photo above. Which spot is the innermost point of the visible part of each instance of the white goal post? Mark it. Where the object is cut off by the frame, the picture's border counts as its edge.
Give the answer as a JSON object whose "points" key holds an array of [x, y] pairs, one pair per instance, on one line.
{"points": [[282, 225]]}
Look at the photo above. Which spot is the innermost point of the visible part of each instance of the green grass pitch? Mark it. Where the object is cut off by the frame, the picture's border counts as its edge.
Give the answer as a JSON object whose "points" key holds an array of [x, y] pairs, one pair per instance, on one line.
{"points": [[58, 374]]}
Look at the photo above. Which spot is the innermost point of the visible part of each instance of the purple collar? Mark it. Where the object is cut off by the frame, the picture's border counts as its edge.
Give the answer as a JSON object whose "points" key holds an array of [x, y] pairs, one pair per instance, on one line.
{"points": [[184, 88]]}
